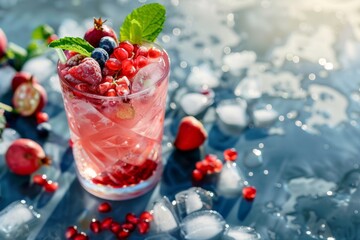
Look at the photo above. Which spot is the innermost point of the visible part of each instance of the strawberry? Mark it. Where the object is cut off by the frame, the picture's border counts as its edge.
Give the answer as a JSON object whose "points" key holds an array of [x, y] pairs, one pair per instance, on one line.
{"points": [[88, 71], [191, 134]]}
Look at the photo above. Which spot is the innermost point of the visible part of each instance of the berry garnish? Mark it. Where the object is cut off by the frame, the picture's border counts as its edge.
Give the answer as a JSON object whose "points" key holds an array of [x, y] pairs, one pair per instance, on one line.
{"points": [[108, 44], [87, 71], [154, 52], [230, 154], [249, 193], [71, 232], [41, 117], [95, 226], [113, 64], [39, 179], [104, 207], [191, 134], [100, 55], [24, 156], [3, 43], [128, 47], [100, 30]]}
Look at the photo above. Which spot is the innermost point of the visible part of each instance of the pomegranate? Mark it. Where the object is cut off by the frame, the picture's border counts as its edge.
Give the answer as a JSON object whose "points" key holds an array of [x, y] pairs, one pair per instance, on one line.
{"points": [[21, 77], [24, 156], [93, 35], [3, 43], [29, 98]]}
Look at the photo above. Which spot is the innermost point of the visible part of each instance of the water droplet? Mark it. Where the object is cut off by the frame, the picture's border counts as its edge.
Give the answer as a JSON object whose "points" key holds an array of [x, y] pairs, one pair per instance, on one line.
{"points": [[266, 172], [312, 76], [253, 158]]}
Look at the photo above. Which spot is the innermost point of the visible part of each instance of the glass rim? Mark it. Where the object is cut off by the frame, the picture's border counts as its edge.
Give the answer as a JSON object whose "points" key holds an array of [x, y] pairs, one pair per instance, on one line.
{"points": [[166, 73]]}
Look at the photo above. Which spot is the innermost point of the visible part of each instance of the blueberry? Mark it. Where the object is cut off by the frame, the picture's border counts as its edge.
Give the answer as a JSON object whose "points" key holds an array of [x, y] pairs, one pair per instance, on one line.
{"points": [[108, 44], [43, 129], [100, 55]]}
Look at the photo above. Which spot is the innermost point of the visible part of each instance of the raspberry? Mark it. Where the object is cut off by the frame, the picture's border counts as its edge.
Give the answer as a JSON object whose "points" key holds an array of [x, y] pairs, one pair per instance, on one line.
{"points": [[88, 71]]}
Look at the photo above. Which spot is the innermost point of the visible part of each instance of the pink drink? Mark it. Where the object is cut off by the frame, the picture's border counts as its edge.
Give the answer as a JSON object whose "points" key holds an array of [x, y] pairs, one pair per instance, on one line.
{"points": [[117, 140]]}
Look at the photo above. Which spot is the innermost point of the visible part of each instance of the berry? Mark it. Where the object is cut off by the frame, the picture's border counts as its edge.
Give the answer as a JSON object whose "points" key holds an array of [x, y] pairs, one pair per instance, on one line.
{"points": [[230, 154], [122, 90], [51, 38], [51, 186], [154, 53], [197, 175], [249, 193], [141, 51], [87, 71], [106, 223], [115, 227], [128, 226], [39, 179], [100, 55], [113, 64], [123, 234], [104, 87], [81, 236], [104, 207], [128, 47], [128, 68], [140, 61], [3, 43], [108, 44], [29, 98], [95, 226], [121, 54], [143, 227], [43, 129], [22, 77], [100, 30], [146, 216], [41, 117], [191, 134], [71, 232], [24, 156], [131, 218]]}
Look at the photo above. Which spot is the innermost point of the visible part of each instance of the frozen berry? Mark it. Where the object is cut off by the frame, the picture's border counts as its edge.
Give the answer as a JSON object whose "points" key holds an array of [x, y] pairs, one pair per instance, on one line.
{"points": [[100, 30], [100, 55], [108, 44], [230, 154], [249, 193], [104, 207], [121, 54], [71, 232], [41, 117], [95, 226], [87, 71], [43, 129]]}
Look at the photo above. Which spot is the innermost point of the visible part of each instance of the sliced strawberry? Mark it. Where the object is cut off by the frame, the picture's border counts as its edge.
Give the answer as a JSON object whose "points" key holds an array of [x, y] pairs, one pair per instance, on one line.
{"points": [[191, 134], [88, 71]]}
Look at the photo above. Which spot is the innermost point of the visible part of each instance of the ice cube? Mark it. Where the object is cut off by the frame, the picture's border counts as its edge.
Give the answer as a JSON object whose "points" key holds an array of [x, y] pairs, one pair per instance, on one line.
{"points": [[232, 116], [194, 103], [241, 233], [16, 220], [165, 219], [6, 73], [264, 117], [164, 236], [239, 60], [231, 181], [203, 225], [249, 89], [193, 199], [41, 67], [148, 76], [203, 77]]}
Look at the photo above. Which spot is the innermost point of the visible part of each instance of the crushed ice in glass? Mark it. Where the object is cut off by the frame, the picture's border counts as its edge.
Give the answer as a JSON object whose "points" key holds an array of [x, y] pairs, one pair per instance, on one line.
{"points": [[240, 233]]}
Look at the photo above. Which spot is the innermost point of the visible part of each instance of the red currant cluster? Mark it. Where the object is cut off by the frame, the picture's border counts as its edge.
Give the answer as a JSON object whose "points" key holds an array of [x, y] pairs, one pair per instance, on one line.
{"points": [[48, 185], [120, 230]]}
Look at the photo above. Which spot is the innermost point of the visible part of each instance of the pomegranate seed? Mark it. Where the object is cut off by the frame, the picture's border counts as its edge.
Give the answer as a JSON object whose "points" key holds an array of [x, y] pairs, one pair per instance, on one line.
{"points": [[123, 234], [106, 223], [129, 71], [108, 72], [104, 87], [42, 117], [143, 227], [111, 93], [128, 226], [210, 158], [146, 216], [113, 64], [141, 51], [71, 232], [121, 54], [122, 90], [51, 186], [115, 227], [95, 226], [39, 179], [197, 175], [230, 154], [131, 218], [218, 166], [123, 81], [108, 79], [154, 52], [71, 143], [128, 47], [104, 207], [81, 236], [140, 61], [249, 193]]}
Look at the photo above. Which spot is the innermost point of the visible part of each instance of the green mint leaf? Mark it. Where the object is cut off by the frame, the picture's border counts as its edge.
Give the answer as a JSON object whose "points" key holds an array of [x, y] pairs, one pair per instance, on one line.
{"points": [[42, 32], [149, 18], [75, 44]]}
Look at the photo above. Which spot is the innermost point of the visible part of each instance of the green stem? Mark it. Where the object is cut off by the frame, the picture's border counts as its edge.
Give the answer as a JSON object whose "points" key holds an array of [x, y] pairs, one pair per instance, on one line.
{"points": [[6, 107]]}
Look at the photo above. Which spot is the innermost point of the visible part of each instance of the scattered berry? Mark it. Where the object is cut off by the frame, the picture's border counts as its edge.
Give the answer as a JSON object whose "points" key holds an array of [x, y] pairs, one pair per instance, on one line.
{"points": [[230, 154], [123, 233], [108, 44], [39, 179], [143, 227], [51, 186], [146, 216], [249, 193], [104, 207], [106, 223], [41, 117], [81, 236], [100, 55], [121, 54], [100, 30], [87, 71], [191, 134], [197, 175], [131, 218], [29, 98], [24, 156], [43, 129], [128, 226], [95, 226], [3, 43], [71, 232], [115, 227]]}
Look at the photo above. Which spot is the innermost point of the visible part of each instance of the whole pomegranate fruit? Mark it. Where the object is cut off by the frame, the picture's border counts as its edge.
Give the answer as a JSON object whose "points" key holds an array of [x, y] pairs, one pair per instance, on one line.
{"points": [[93, 35]]}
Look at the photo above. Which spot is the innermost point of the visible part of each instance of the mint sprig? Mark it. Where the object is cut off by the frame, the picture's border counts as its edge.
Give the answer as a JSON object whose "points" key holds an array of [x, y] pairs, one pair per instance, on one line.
{"points": [[75, 44], [143, 24]]}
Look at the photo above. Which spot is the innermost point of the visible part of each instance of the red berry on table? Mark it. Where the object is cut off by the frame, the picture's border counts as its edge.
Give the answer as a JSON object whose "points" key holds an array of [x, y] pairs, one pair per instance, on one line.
{"points": [[95, 226], [128, 47], [106, 223], [218, 166], [81, 236], [100, 30], [88, 71], [154, 52], [42, 117], [113, 64], [143, 227], [191, 134], [39, 179], [123, 233], [115, 227], [51, 186], [128, 226], [3, 43], [24, 156], [131, 218], [71, 232], [146, 216], [230, 154], [121, 54], [22, 77], [197, 175], [104, 207], [249, 193]]}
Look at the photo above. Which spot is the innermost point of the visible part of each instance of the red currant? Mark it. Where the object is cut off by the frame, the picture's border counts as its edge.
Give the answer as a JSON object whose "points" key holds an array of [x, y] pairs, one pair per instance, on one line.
{"points": [[128, 226], [131, 218], [146, 216], [81, 236], [95, 226], [106, 223], [123, 234], [140, 61], [115, 227], [51, 186], [143, 227], [197, 175]]}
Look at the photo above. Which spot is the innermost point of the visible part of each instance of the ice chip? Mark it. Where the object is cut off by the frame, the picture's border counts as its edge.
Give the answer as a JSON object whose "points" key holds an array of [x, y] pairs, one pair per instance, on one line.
{"points": [[241, 233], [231, 181], [16, 220], [203, 225], [239, 60], [203, 76], [249, 89], [148, 76], [194, 103], [165, 219], [264, 117], [193, 199], [232, 116]]}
